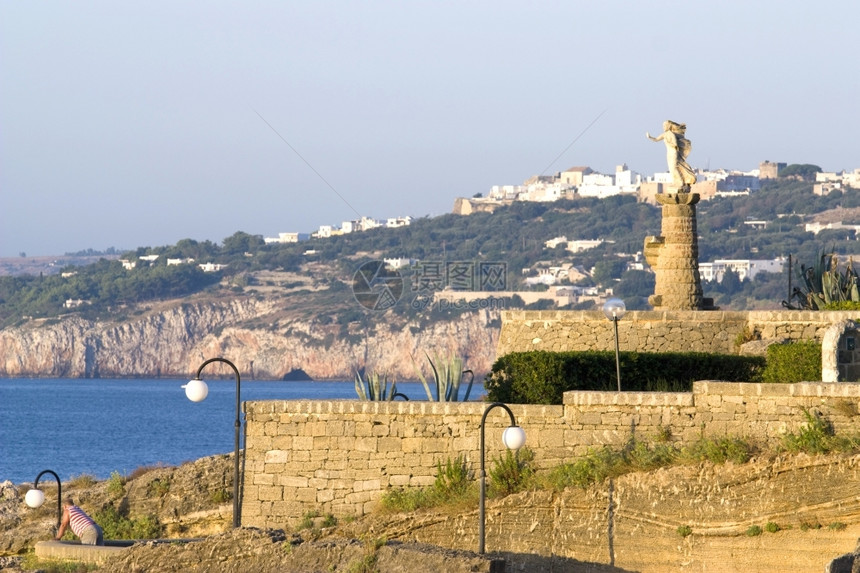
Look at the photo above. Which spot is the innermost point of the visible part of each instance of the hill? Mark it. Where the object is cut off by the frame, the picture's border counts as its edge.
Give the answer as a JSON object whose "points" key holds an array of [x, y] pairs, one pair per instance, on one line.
{"points": [[320, 273]]}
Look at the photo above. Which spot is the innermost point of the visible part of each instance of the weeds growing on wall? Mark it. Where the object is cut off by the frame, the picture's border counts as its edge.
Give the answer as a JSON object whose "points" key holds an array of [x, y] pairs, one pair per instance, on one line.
{"points": [[604, 463], [453, 479], [512, 472], [816, 436], [456, 486]]}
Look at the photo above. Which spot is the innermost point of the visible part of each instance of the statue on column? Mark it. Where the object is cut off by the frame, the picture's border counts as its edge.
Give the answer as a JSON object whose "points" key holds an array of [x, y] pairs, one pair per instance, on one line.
{"points": [[677, 149]]}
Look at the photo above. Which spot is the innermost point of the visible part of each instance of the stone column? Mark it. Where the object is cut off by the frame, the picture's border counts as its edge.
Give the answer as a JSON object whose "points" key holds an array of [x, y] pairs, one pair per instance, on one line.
{"points": [[674, 255]]}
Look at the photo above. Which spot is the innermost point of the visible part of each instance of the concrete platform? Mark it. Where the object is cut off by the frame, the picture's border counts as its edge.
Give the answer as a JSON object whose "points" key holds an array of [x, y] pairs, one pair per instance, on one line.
{"points": [[94, 554], [74, 551]]}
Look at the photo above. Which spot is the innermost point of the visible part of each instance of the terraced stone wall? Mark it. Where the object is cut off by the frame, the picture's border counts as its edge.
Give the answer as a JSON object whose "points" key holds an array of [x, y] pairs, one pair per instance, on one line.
{"points": [[340, 456], [658, 331]]}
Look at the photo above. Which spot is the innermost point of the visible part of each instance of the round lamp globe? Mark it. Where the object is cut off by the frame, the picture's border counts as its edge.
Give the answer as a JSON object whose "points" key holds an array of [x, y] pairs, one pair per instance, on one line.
{"points": [[514, 437], [34, 498], [196, 390]]}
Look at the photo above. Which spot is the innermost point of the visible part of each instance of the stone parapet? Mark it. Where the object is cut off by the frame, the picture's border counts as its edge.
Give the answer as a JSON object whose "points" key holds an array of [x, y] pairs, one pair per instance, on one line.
{"points": [[658, 331]]}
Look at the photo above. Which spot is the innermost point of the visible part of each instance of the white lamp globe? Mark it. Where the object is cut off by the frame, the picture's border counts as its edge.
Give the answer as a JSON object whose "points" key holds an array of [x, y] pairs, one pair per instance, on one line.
{"points": [[34, 498], [614, 308], [196, 390], [514, 437]]}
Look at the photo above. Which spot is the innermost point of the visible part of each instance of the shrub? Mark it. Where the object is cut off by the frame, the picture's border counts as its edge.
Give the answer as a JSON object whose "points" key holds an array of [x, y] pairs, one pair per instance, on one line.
{"points": [[117, 525], [541, 377], [816, 436], [684, 530], [795, 362], [453, 479], [329, 520], [221, 496], [307, 521], [511, 472], [143, 470], [594, 467], [771, 527], [718, 451], [454, 483], [115, 485], [82, 481], [753, 531], [159, 487], [604, 463], [407, 499]]}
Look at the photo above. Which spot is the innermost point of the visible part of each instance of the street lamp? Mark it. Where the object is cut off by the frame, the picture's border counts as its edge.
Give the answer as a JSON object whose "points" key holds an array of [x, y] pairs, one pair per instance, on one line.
{"points": [[614, 309], [513, 437], [196, 390], [36, 497]]}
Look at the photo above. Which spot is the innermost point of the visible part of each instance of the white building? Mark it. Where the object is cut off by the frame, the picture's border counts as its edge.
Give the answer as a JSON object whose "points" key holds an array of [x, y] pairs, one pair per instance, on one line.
{"points": [[816, 228], [583, 245], [398, 263], [211, 267], [396, 222], [553, 243], [744, 268], [173, 262], [509, 192], [283, 238]]}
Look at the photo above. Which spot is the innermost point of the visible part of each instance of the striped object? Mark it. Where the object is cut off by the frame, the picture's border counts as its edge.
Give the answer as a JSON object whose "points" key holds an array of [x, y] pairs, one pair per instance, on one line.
{"points": [[79, 520]]}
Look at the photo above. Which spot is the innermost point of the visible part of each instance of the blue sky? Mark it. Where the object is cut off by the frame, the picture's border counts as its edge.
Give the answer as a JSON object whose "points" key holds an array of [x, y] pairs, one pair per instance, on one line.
{"points": [[133, 124]]}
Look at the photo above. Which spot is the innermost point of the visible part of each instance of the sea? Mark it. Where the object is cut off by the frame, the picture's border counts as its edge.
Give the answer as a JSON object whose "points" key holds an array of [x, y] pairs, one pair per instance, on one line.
{"points": [[96, 427]]}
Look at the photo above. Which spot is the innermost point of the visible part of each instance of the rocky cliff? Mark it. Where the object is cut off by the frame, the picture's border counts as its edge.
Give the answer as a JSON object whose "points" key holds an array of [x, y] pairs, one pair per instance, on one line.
{"points": [[255, 333]]}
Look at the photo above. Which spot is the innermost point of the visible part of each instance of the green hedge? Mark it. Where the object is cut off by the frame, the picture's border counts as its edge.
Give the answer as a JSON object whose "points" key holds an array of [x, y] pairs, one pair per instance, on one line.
{"points": [[794, 362], [542, 377]]}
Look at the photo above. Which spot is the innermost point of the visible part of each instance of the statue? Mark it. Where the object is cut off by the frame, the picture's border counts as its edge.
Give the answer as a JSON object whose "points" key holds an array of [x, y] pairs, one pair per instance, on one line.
{"points": [[677, 149]]}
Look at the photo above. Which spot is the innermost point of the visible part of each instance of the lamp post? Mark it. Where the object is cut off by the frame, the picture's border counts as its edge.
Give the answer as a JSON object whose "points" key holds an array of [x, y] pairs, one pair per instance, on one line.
{"points": [[513, 437], [36, 497], [196, 390], [614, 309]]}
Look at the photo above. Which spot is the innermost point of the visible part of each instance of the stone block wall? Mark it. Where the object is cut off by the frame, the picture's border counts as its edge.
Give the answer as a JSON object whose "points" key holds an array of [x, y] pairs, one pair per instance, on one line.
{"points": [[340, 456], [658, 331]]}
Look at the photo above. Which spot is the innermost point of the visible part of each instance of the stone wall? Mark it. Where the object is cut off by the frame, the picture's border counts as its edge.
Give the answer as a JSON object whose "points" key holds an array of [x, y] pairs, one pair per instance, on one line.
{"points": [[658, 331], [340, 456]]}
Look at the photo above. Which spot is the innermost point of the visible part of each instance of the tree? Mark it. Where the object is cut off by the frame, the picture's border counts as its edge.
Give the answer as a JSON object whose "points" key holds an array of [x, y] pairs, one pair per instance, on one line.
{"points": [[805, 171], [239, 243], [635, 284], [606, 271], [731, 283]]}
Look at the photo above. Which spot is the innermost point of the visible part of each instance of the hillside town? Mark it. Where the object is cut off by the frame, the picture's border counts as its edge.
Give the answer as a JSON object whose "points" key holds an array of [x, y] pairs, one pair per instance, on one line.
{"points": [[558, 281]]}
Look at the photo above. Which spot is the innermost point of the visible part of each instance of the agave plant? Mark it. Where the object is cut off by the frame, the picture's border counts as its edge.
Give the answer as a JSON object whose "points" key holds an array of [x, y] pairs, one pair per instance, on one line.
{"points": [[447, 377], [373, 387], [824, 285]]}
